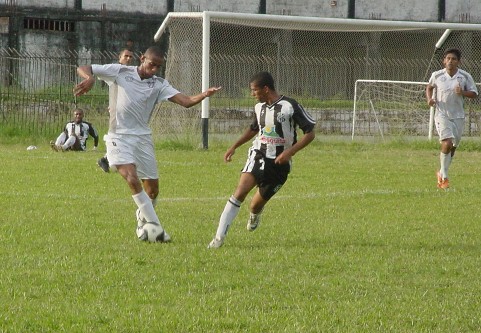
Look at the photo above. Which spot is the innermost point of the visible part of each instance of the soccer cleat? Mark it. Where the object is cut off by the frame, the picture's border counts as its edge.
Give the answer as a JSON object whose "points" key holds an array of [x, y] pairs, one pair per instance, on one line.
{"points": [[55, 147], [140, 220], [444, 185], [103, 163], [253, 222], [215, 243]]}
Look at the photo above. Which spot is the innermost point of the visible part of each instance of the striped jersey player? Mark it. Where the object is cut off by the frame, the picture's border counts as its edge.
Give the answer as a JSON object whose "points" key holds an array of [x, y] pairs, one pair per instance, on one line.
{"points": [[268, 164]]}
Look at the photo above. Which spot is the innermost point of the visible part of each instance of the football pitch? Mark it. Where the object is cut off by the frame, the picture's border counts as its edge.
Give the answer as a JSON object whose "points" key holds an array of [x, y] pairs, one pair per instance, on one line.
{"points": [[358, 240]]}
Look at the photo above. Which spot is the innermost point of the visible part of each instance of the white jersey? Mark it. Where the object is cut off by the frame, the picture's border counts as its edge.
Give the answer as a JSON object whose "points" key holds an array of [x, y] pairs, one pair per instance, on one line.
{"points": [[131, 99], [449, 104]]}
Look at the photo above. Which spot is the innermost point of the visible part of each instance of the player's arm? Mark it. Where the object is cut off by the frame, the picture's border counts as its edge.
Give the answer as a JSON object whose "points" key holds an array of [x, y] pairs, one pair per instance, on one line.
{"points": [[287, 154], [85, 72], [429, 95], [188, 101], [94, 134], [249, 133]]}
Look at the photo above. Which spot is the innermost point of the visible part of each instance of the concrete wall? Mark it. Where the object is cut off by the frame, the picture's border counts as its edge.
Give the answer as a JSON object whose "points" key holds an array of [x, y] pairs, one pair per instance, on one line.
{"points": [[132, 6], [240, 6], [398, 10], [404, 10], [463, 11], [43, 3], [326, 8]]}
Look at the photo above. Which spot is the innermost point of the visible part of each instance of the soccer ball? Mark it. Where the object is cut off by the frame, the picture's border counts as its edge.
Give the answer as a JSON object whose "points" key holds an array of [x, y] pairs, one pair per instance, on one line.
{"points": [[151, 232]]}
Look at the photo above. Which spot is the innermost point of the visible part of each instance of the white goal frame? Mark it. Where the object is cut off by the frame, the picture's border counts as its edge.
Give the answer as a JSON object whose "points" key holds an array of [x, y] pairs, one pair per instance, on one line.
{"points": [[285, 22], [357, 97]]}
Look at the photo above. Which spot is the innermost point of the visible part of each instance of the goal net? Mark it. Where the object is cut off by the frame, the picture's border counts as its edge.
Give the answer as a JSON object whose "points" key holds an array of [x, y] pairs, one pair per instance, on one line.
{"points": [[385, 107], [398, 108], [314, 60]]}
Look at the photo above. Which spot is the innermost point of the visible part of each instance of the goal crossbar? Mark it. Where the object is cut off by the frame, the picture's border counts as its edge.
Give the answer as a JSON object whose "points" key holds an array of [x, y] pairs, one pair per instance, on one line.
{"points": [[210, 24]]}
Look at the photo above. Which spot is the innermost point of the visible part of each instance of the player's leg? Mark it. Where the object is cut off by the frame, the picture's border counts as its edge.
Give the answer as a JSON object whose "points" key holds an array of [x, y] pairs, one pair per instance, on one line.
{"points": [[252, 169], [444, 128], [246, 183], [69, 143], [273, 179], [57, 145], [103, 162]]}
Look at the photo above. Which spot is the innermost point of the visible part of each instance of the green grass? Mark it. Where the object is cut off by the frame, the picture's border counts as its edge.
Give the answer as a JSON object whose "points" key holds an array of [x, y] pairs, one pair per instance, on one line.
{"points": [[358, 240]]}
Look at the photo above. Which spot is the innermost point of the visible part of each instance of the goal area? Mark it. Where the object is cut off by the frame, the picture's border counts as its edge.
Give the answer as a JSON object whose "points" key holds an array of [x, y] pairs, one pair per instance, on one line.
{"points": [[394, 108], [315, 60]]}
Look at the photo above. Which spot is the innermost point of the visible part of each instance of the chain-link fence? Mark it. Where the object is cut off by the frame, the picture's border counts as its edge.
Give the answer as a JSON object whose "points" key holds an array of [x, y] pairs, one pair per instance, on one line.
{"points": [[317, 65], [319, 69], [36, 90]]}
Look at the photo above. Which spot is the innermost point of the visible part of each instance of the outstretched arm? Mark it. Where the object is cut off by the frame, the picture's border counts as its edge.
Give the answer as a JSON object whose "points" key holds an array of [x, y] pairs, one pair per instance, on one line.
{"points": [[188, 101], [88, 81]]}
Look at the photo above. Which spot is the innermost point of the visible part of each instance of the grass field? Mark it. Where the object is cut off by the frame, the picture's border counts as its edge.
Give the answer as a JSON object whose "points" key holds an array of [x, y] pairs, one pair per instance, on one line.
{"points": [[358, 240]]}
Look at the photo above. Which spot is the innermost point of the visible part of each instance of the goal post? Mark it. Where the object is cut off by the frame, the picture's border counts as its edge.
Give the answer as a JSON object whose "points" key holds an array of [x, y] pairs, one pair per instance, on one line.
{"points": [[391, 107], [399, 108], [314, 60]]}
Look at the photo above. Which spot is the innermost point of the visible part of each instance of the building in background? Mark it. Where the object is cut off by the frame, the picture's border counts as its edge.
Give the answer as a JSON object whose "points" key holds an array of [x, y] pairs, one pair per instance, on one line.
{"points": [[50, 25]]}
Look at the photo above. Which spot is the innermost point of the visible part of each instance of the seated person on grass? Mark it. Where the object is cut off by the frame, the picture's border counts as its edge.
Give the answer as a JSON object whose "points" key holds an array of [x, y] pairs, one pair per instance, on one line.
{"points": [[75, 134]]}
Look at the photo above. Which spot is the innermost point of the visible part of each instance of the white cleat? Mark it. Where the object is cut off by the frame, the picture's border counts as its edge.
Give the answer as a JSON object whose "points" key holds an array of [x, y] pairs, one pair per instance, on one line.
{"points": [[140, 220], [215, 243], [253, 222]]}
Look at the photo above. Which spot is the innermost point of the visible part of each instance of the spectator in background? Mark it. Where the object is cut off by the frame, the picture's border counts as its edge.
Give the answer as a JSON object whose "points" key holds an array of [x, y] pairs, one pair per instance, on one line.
{"points": [[75, 134]]}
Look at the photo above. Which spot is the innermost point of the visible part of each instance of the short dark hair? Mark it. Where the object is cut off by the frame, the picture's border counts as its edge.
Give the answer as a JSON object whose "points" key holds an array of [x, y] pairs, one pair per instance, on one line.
{"points": [[452, 51], [155, 51], [263, 79]]}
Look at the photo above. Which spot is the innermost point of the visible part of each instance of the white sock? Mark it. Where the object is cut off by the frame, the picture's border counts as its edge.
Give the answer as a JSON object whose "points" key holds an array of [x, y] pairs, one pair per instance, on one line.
{"points": [[146, 207], [231, 210], [445, 160]]}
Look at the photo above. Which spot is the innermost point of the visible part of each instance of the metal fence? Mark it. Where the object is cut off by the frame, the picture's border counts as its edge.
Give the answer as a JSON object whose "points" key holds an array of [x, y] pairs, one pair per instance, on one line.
{"points": [[36, 91]]}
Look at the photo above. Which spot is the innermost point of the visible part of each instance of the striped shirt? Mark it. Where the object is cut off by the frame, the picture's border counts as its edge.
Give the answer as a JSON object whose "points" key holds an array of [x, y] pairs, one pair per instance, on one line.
{"points": [[277, 125]]}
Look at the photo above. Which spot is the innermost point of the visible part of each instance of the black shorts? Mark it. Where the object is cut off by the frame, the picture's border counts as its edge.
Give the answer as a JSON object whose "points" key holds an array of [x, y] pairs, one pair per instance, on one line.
{"points": [[269, 176]]}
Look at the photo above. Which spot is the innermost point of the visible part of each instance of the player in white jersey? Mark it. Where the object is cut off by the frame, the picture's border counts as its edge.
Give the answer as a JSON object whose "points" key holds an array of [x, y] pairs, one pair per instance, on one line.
{"points": [[133, 94], [269, 158], [126, 57], [446, 90]]}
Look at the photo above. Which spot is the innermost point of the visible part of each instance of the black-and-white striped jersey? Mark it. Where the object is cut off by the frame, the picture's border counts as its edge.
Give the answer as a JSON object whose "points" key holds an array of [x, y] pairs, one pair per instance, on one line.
{"points": [[82, 131], [277, 125]]}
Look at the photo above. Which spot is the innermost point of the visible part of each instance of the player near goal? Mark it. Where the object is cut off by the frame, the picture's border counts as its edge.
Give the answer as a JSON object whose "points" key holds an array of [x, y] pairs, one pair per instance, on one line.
{"points": [[269, 159], [133, 94], [451, 85]]}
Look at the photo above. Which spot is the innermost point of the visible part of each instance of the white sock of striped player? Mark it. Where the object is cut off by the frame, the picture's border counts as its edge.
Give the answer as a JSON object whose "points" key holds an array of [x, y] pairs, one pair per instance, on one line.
{"points": [[146, 207], [231, 210], [445, 160]]}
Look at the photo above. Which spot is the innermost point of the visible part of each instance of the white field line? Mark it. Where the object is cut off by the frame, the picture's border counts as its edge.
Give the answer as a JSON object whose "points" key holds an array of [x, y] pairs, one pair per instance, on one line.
{"points": [[339, 194]]}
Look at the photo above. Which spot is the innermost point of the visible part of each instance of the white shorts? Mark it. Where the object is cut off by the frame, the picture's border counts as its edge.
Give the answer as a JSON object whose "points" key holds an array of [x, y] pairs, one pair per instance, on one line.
{"points": [[450, 129], [132, 149]]}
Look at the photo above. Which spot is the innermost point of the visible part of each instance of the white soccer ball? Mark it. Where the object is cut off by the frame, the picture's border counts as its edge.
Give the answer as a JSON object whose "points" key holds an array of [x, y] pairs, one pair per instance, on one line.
{"points": [[151, 232]]}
